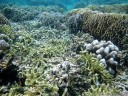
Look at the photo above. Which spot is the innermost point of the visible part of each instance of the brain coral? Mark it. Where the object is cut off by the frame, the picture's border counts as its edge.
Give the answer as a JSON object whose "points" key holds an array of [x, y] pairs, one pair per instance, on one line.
{"points": [[105, 26]]}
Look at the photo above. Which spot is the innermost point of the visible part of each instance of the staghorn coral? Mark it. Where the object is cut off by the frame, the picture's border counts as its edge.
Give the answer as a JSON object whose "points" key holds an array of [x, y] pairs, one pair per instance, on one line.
{"points": [[54, 48], [16, 14], [6, 32], [75, 76], [8, 71], [103, 90], [25, 13], [51, 19]]}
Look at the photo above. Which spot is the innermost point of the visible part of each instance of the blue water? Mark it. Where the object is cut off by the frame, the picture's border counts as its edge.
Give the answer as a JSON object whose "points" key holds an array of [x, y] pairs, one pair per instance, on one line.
{"points": [[66, 4]]}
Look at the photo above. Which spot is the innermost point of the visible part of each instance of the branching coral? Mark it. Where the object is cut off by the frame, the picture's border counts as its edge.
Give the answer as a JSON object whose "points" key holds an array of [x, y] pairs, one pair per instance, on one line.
{"points": [[7, 30], [103, 90], [54, 48], [17, 14], [8, 71], [93, 66], [74, 78], [51, 19]]}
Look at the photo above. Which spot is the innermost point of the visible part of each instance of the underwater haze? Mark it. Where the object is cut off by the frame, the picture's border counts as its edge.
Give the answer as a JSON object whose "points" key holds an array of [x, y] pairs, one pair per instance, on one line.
{"points": [[67, 4], [63, 47]]}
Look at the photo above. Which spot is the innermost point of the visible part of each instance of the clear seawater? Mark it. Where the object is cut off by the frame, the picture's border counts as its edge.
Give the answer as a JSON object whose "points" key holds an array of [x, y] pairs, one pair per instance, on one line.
{"points": [[67, 4]]}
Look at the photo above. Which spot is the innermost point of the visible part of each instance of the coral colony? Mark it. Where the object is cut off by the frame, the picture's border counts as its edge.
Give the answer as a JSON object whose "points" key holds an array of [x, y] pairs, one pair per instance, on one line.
{"points": [[63, 48]]}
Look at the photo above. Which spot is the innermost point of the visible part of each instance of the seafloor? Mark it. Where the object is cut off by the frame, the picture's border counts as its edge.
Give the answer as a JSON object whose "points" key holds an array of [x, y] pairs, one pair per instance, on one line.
{"points": [[48, 51]]}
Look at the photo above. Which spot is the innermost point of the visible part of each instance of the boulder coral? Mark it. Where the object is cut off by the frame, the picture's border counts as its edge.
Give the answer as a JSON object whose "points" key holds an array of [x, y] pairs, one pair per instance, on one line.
{"points": [[106, 52], [107, 26]]}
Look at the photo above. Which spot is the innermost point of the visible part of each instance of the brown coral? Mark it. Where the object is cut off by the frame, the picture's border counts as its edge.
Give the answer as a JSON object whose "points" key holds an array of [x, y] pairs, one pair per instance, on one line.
{"points": [[104, 25]]}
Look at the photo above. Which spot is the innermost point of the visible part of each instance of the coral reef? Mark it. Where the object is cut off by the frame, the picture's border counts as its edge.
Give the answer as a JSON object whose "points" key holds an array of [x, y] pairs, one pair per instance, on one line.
{"points": [[115, 8], [103, 90], [3, 19], [71, 77], [17, 14], [75, 23], [41, 57], [8, 71], [51, 19], [106, 52], [103, 26]]}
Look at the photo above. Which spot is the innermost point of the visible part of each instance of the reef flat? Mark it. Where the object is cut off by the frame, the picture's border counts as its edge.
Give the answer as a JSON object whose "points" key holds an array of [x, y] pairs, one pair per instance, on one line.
{"points": [[47, 51]]}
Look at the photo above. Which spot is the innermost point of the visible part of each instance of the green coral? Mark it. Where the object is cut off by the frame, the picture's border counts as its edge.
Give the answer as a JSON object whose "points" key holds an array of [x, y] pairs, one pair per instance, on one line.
{"points": [[54, 47], [93, 69], [91, 73], [103, 90], [96, 75], [7, 30], [36, 80]]}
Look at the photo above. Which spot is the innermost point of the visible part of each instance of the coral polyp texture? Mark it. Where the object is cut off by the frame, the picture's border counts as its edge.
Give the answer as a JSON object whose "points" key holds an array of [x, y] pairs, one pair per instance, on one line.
{"points": [[75, 23], [106, 52], [3, 19], [103, 26]]}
